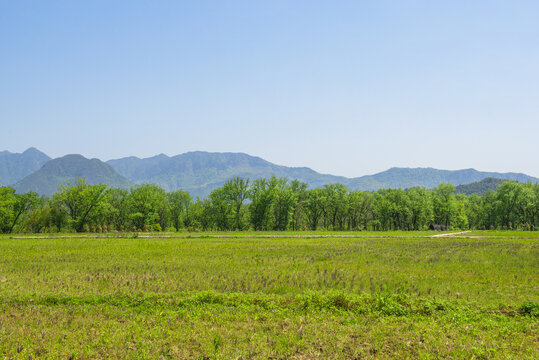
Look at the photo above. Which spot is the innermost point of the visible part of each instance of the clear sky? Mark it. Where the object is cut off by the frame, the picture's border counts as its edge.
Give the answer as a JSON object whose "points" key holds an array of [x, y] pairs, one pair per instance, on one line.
{"points": [[344, 87]]}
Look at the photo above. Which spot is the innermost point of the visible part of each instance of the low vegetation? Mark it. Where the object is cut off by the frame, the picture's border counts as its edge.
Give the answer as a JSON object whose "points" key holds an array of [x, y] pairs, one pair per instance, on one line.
{"points": [[270, 295]]}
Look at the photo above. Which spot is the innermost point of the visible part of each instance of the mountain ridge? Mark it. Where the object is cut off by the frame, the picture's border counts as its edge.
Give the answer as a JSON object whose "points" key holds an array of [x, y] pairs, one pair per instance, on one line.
{"points": [[15, 166], [172, 172], [68, 169], [200, 172]]}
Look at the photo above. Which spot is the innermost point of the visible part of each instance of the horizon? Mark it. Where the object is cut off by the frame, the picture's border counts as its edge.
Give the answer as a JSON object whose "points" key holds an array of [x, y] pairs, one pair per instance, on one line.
{"points": [[344, 88]]}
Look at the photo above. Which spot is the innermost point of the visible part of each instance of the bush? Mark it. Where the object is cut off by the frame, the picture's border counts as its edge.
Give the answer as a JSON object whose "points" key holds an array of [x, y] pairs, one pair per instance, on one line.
{"points": [[530, 308], [391, 305]]}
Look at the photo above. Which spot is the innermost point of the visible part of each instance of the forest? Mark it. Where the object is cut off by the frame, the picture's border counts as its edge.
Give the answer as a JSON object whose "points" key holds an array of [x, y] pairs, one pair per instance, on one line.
{"points": [[267, 204]]}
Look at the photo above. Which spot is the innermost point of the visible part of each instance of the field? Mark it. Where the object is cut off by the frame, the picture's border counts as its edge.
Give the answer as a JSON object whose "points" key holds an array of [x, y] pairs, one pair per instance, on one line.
{"points": [[272, 295]]}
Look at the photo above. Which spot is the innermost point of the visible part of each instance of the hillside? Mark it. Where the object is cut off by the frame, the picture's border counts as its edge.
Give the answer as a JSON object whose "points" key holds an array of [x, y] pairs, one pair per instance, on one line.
{"points": [[67, 169], [201, 172], [479, 187], [15, 166]]}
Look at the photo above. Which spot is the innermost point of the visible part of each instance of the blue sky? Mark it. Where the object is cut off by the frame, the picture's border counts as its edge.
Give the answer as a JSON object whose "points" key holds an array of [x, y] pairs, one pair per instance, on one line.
{"points": [[344, 87]]}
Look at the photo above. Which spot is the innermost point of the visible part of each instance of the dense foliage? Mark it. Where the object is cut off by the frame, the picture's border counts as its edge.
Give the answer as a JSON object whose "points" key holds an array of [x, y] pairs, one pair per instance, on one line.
{"points": [[267, 204]]}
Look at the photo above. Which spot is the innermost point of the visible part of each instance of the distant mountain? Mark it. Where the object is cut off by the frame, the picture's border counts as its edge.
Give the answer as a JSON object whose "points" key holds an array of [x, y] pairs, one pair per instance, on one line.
{"points": [[479, 187], [428, 177], [201, 172], [15, 166], [68, 169]]}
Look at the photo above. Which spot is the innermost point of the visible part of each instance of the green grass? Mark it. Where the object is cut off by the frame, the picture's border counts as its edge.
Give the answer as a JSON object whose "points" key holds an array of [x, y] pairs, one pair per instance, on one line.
{"points": [[505, 233], [237, 234], [205, 296]]}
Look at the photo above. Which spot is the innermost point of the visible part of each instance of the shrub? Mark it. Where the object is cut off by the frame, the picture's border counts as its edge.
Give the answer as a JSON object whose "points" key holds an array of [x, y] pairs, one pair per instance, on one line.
{"points": [[530, 308], [391, 305]]}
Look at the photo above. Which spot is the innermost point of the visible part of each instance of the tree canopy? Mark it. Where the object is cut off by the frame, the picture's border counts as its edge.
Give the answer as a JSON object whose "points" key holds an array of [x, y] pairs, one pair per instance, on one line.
{"points": [[268, 204]]}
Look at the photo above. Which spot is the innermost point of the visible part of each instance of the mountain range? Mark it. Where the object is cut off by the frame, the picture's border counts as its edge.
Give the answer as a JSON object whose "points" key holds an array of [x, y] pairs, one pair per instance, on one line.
{"points": [[15, 166], [200, 172]]}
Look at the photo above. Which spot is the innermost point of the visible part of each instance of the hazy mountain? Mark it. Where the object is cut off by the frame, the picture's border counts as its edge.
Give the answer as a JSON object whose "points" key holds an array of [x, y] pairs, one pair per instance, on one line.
{"points": [[67, 169], [201, 172], [15, 166], [479, 187], [428, 177]]}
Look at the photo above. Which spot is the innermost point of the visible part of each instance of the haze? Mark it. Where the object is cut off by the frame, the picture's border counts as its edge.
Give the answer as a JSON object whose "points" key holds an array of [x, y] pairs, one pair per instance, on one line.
{"points": [[344, 87]]}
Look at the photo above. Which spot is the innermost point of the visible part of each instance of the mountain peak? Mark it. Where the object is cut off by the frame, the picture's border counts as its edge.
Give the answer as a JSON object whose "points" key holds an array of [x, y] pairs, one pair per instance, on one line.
{"points": [[69, 168], [15, 166], [32, 150]]}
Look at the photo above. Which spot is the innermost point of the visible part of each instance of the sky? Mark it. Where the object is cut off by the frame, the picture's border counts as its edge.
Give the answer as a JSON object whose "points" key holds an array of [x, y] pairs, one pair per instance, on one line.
{"points": [[344, 87]]}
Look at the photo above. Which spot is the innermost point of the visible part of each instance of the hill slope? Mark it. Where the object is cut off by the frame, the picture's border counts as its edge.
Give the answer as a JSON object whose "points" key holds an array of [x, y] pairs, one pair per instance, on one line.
{"points": [[67, 169], [201, 172], [479, 187], [15, 166]]}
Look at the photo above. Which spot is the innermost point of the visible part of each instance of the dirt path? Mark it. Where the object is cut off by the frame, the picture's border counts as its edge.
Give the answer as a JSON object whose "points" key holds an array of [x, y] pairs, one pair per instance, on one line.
{"points": [[450, 234]]}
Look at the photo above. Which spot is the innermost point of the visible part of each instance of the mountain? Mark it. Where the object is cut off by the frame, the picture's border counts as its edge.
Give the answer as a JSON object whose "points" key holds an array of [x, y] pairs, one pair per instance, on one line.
{"points": [[201, 172], [15, 166], [428, 177], [68, 169], [479, 187]]}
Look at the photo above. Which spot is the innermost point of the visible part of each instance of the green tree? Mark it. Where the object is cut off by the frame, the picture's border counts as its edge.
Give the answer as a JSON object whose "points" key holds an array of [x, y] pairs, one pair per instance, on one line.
{"points": [[420, 207], [444, 204], [360, 210], [115, 209], [178, 203], [314, 207], [236, 191], [510, 203], [393, 209], [299, 189], [81, 201], [460, 218], [221, 210], [147, 206], [335, 205], [285, 200], [23, 204], [262, 195], [475, 212], [7, 203]]}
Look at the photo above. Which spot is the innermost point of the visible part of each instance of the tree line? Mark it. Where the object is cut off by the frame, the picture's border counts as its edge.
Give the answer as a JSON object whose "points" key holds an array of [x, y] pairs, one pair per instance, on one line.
{"points": [[267, 204]]}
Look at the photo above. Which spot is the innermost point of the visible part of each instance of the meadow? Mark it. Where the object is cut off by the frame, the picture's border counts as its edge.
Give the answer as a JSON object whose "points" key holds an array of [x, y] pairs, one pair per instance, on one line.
{"points": [[270, 295]]}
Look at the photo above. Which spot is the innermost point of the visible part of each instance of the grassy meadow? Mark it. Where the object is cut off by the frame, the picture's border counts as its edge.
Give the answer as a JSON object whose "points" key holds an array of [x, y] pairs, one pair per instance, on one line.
{"points": [[271, 295]]}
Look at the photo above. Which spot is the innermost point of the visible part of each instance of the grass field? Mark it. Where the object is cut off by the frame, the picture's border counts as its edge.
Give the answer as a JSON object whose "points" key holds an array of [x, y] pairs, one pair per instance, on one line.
{"points": [[243, 296]]}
